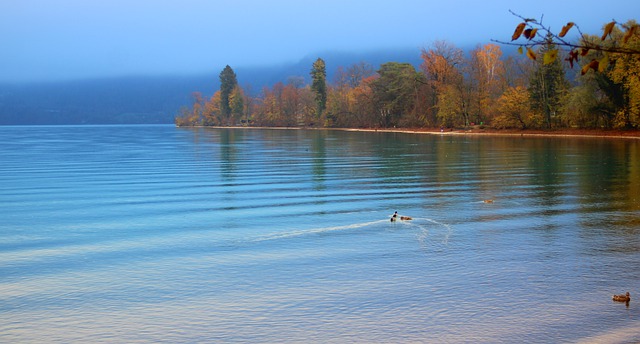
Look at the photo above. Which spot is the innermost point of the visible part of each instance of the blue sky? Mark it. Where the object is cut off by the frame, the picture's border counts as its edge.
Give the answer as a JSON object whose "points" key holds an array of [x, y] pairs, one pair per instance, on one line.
{"points": [[44, 40]]}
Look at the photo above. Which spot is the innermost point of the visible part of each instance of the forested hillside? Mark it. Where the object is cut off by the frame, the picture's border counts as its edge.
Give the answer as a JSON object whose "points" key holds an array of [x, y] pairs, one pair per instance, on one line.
{"points": [[596, 86]]}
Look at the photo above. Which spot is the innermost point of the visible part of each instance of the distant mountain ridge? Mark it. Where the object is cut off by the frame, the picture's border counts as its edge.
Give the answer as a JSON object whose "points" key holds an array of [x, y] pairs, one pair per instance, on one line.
{"points": [[157, 99]]}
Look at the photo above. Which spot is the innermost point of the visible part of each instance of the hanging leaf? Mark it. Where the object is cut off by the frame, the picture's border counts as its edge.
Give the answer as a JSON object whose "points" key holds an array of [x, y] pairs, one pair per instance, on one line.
{"points": [[527, 33], [520, 50], [603, 63], [592, 65], [518, 32], [607, 30], [566, 29], [530, 33], [584, 51], [573, 56], [630, 32], [531, 54], [584, 69], [570, 60], [550, 56]]}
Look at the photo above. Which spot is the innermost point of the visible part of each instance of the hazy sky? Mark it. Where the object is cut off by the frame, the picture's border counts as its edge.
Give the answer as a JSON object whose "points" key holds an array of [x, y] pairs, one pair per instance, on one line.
{"points": [[71, 39]]}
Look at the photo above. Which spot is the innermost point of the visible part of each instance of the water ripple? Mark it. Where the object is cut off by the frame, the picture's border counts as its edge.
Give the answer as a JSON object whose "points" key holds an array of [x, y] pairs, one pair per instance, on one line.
{"points": [[158, 234]]}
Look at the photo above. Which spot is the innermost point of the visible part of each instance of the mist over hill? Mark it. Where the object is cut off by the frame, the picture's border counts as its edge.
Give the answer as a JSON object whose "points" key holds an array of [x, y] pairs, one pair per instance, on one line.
{"points": [[157, 99]]}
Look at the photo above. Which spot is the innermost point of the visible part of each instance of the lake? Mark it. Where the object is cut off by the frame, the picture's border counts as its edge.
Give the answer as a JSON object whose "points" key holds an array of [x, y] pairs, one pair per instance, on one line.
{"points": [[160, 234]]}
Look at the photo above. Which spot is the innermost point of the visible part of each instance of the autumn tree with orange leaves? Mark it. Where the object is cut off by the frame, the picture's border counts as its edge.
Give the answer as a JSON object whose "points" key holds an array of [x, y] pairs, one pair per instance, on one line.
{"points": [[441, 65], [488, 78]]}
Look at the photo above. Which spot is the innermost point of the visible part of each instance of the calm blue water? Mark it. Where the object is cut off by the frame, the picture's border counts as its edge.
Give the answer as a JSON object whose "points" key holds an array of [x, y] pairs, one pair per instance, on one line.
{"points": [[157, 234]]}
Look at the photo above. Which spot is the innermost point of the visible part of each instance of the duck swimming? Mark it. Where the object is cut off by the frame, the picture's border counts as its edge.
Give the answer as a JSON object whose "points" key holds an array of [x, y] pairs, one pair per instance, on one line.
{"points": [[622, 298], [394, 217]]}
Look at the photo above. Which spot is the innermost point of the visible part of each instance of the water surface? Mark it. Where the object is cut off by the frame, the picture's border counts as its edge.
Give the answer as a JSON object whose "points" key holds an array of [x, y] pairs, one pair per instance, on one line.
{"points": [[158, 234]]}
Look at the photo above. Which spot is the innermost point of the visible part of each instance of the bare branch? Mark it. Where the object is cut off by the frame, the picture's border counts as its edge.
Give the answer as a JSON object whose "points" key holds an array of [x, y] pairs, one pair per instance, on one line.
{"points": [[595, 47]]}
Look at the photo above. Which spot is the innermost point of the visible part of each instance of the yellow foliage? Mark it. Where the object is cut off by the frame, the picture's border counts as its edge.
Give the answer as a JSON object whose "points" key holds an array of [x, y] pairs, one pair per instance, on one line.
{"points": [[550, 56], [514, 111], [212, 109], [630, 32], [450, 107], [603, 63], [625, 71]]}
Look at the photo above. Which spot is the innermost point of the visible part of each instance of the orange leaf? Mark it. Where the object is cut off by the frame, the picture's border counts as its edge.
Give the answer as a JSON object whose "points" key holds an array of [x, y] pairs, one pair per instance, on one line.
{"points": [[629, 33], [566, 29], [607, 30], [584, 51], [531, 54], [527, 33], [518, 32], [573, 56], [592, 65], [584, 69], [532, 35]]}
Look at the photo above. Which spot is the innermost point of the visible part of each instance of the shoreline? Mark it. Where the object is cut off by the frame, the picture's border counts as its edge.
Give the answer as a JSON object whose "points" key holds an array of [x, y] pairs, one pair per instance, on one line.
{"points": [[585, 133]]}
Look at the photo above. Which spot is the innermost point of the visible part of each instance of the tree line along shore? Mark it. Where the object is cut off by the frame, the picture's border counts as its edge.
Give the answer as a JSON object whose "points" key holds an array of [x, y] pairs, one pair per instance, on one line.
{"points": [[481, 91]]}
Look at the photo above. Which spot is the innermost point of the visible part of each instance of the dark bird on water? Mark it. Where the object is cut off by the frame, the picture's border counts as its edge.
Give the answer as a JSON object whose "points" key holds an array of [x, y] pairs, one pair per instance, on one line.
{"points": [[394, 217], [622, 298]]}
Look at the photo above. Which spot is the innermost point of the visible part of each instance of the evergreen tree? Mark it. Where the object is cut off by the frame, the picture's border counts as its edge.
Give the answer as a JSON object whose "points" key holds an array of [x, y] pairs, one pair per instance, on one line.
{"points": [[228, 82], [319, 85], [395, 91], [547, 85]]}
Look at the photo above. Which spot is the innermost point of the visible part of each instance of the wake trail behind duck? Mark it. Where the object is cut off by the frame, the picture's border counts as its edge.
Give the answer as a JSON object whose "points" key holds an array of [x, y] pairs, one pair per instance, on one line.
{"points": [[320, 230]]}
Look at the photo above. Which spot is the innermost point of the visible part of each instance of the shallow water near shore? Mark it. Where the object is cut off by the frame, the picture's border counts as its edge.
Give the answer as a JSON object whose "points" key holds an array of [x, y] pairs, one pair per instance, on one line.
{"points": [[160, 234]]}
